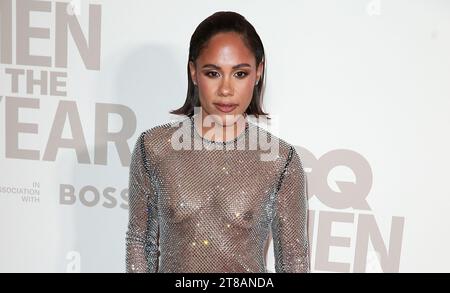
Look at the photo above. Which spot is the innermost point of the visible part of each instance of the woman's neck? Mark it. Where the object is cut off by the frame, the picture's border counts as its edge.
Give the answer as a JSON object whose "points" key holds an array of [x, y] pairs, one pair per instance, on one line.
{"points": [[214, 128]]}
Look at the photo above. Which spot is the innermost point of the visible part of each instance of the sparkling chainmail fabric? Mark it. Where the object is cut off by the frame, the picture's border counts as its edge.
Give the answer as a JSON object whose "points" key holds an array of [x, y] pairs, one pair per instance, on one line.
{"points": [[211, 208]]}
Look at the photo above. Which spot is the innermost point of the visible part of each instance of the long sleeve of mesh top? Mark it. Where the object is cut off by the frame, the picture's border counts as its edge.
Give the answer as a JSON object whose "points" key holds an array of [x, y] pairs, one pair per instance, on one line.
{"points": [[289, 223], [141, 237]]}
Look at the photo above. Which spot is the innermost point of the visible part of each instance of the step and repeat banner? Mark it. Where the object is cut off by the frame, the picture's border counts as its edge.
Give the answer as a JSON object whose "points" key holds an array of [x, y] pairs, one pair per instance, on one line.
{"points": [[360, 88]]}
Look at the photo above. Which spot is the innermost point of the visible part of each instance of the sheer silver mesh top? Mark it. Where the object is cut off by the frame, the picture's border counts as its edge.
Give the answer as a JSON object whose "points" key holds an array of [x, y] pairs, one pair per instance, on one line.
{"points": [[211, 208]]}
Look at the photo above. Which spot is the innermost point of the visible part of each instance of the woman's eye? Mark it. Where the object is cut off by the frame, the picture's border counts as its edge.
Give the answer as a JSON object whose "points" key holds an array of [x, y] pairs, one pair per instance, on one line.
{"points": [[211, 73], [241, 74]]}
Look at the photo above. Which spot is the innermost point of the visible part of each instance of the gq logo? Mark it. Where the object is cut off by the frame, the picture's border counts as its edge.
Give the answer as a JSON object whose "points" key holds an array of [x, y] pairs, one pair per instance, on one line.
{"points": [[352, 194]]}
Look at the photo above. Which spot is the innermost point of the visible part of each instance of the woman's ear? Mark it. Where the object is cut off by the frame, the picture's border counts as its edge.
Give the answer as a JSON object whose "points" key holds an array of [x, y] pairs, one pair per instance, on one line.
{"points": [[259, 71], [193, 71]]}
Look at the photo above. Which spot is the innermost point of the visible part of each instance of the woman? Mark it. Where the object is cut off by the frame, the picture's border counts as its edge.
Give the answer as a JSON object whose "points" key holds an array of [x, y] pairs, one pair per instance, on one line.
{"points": [[211, 208]]}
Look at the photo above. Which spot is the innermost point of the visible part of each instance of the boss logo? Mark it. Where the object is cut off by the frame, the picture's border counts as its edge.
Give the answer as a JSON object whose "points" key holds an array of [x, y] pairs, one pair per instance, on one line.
{"points": [[91, 196]]}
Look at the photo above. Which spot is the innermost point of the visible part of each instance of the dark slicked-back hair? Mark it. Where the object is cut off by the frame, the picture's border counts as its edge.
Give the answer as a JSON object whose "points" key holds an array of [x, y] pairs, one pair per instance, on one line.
{"points": [[224, 21]]}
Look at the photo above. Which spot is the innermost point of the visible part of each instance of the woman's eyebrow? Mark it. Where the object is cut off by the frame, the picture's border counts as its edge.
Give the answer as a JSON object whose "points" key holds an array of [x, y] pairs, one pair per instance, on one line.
{"points": [[234, 67]]}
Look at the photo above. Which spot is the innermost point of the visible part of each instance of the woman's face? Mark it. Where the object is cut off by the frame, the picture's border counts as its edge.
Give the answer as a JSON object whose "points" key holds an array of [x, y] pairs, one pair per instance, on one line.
{"points": [[225, 73]]}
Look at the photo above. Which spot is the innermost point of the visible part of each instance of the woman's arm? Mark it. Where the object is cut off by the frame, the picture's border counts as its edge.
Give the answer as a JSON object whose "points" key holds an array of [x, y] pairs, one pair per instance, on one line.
{"points": [[290, 219], [141, 236]]}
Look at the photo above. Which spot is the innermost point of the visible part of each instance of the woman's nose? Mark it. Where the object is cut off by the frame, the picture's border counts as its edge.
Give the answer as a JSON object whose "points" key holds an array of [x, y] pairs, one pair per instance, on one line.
{"points": [[226, 88]]}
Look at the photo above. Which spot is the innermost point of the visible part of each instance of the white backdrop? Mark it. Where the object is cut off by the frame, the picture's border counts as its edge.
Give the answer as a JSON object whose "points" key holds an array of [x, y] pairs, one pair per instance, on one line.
{"points": [[360, 87]]}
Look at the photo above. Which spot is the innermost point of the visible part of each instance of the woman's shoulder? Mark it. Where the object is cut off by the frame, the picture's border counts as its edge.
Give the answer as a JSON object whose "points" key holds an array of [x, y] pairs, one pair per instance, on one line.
{"points": [[157, 138], [161, 131], [270, 138]]}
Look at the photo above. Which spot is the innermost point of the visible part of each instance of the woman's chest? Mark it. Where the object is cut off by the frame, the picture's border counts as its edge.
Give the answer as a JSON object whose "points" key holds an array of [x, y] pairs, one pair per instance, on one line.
{"points": [[234, 188]]}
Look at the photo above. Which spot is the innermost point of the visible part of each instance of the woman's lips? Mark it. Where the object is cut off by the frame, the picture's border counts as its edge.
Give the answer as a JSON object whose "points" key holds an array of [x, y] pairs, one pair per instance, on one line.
{"points": [[225, 108]]}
